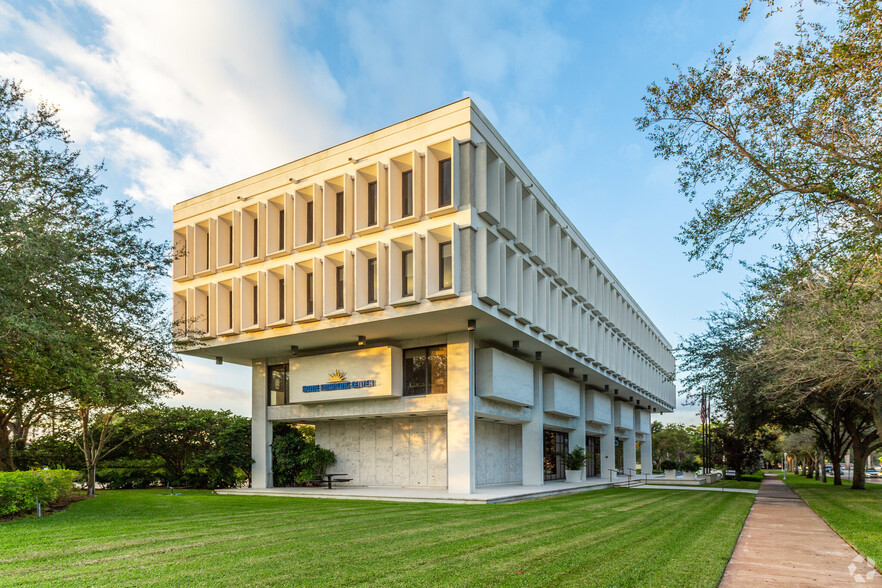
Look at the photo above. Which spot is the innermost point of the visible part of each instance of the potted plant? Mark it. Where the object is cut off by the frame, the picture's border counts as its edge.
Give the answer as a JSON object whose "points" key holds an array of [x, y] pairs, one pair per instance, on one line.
{"points": [[689, 466], [575, 461], [669, 467]]}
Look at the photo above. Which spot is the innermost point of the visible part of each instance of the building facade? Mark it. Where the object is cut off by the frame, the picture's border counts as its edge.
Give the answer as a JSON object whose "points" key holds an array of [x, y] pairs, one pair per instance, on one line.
{"points": [[417, 296]]}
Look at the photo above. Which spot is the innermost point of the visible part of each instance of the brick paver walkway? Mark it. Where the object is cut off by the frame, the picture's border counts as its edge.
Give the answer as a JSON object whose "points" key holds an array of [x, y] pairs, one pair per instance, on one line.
{"points": [[784, 543]]}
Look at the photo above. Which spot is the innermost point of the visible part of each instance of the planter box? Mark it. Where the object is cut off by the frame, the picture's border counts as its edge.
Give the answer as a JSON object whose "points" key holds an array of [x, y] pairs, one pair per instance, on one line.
{"points": [[574, 476], [671, 474]]}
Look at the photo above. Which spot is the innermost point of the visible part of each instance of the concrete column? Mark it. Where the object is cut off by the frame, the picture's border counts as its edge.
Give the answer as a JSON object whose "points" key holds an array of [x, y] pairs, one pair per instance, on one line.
{"points": [[461, 413], [577, 435], [532, 443], [607, 451], [261, 429], [629, 453], [646, 454]]}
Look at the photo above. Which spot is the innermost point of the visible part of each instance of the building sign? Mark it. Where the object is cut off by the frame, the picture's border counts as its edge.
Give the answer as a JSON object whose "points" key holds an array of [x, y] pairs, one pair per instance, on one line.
{"points": [[337, 381], [372, 372]]}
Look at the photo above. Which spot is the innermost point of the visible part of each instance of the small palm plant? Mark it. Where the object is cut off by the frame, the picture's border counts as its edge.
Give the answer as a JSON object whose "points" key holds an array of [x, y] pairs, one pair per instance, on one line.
{"points": [[575, 459]]}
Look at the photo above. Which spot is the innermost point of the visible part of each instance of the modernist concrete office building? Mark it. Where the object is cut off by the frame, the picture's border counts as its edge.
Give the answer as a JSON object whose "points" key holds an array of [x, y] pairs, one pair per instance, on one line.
{"points": [[417, 296]]}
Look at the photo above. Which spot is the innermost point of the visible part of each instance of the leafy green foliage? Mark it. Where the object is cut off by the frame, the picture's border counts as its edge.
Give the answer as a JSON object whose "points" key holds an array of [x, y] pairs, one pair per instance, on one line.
{"points": [[127, 473], [668, 464], [82, 295], [688, 465], [674, 442], [198, 448], [297, 460], [52, 451], [20, 491], [788, 141], [575, 459]]}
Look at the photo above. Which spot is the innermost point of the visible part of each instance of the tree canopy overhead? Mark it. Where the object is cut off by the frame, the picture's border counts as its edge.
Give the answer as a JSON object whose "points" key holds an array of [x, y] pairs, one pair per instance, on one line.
{"points": [[791, 141]]}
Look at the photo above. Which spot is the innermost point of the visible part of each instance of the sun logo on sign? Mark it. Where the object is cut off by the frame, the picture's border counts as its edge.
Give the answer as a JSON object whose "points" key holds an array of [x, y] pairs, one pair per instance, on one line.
{"points": [[336, 376]]}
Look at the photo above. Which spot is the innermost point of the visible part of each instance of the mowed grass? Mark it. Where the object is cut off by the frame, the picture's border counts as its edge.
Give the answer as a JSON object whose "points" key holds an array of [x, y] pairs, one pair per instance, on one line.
{"points": [[612, 537], [855, 514], [747, 482]]}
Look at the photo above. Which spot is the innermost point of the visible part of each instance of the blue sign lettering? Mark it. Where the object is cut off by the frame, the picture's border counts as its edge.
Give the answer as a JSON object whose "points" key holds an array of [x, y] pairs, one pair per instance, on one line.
{"points": [[340, 386]]}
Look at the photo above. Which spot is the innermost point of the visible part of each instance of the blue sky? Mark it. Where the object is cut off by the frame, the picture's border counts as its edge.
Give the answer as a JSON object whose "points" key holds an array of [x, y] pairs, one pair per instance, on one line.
{"points": [[178, 98]]}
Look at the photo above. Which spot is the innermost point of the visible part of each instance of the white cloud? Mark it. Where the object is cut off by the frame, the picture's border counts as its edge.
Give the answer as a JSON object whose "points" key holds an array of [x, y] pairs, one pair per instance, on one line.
{"points": [[76, 103], [195, 94]]}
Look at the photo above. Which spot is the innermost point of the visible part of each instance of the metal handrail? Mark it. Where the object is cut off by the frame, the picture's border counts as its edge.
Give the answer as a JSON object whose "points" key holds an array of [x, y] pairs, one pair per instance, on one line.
{"points": [[629, 475], [616, 470]]}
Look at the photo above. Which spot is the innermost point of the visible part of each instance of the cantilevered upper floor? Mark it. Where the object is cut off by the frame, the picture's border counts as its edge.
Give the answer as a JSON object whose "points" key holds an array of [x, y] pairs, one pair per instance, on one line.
{"points": [[410, 231]]}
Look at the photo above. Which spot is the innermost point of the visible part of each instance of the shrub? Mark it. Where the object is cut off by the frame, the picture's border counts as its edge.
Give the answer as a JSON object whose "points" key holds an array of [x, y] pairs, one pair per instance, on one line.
{"points": [[668, 464], [296, 458], [20, 491], [689, 465], [314, 461], [127, 474]]}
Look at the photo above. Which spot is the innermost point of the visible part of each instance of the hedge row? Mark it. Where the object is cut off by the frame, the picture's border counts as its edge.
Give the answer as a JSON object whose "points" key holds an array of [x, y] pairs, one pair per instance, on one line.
{"points": [[20, 491]]}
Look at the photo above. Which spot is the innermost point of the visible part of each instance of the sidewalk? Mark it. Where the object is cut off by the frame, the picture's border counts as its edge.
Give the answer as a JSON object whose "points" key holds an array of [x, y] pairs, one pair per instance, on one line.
{"points": [[784, 543]]}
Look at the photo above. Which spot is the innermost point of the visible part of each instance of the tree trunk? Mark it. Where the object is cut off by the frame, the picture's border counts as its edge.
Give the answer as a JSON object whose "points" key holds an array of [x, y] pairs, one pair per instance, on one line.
{"points": [[858, 477], [7, 463], [88, 453], [823, 468]]}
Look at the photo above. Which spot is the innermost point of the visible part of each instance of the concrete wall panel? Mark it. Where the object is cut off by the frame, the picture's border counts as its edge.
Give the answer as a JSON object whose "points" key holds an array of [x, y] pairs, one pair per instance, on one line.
{"points": [[503, 377], [498, 453], [388, 452], [561, 395]]}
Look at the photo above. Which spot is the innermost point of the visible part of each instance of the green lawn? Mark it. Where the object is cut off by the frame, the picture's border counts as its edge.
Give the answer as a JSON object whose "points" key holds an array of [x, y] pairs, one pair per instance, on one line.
{"points": [[611, 538], [749, 482], [855, 514]]}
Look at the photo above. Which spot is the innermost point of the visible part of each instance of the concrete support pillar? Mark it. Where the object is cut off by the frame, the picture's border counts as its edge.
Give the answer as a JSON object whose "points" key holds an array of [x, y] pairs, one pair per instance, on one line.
{"points": [[461, 413], [629, 453], [607, 451], [261, 429], [532, 441], [646, 454]]}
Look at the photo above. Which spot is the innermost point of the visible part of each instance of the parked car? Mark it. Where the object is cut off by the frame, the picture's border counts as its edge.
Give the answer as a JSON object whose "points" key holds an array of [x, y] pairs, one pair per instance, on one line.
{"points": [[871, 473]]}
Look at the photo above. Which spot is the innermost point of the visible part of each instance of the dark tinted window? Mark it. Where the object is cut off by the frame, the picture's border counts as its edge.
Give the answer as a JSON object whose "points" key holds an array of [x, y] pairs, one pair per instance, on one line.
{"points": [[445, 265], [277, 384], [372, 280], [444, 183], [406, 273], [372, 204], [339, 286], [425, 371], [309, 290], [339, 212], [407, 193]]}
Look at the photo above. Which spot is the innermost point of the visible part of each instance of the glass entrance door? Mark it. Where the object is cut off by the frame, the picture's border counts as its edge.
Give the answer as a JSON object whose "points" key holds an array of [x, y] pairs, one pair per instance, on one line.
{"points": [[556, 444], [592, 449]]}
